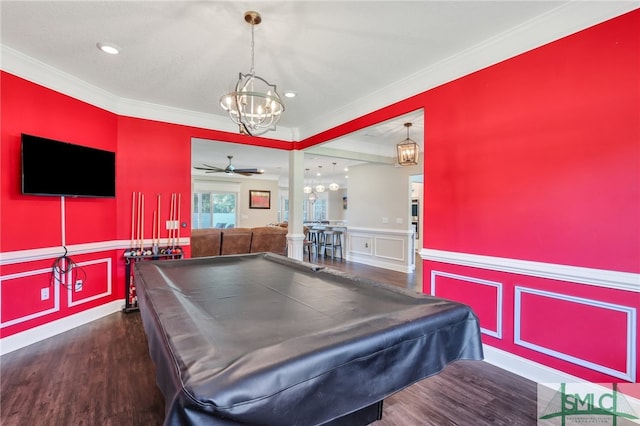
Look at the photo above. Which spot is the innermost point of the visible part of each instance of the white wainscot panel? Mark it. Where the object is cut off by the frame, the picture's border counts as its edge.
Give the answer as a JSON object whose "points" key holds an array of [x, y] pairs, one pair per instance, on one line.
{"points": [[383, 248], [360, 244], [390, 248]]}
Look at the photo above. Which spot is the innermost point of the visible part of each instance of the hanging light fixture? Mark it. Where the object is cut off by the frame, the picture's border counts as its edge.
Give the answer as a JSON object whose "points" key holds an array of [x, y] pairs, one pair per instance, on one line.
{"points": [[254, 105], [408, 150], [334, 186], [320, 186], [306, 189]]}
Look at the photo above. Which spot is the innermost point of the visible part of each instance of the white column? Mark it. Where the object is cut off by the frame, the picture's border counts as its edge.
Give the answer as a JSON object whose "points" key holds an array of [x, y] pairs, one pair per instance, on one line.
{"points": [[295, 236]]}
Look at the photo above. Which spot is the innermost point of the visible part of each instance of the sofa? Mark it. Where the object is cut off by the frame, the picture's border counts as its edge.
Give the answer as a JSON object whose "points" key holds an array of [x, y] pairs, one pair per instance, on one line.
{"points": [[215, 241]]}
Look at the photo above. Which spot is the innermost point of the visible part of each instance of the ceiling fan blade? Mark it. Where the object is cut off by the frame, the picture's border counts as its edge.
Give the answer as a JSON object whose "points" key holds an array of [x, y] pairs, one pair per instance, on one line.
{"points": [[210, 169], [248, 171], [229, 169]]}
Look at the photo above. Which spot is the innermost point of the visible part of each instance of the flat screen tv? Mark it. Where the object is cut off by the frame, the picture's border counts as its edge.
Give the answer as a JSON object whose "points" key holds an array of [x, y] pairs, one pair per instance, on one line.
{"points": [[51, 167]]}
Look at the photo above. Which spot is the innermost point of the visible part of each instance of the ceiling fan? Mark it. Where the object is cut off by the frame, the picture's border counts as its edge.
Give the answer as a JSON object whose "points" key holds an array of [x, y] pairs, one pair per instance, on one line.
{"points": [[230, 169]]}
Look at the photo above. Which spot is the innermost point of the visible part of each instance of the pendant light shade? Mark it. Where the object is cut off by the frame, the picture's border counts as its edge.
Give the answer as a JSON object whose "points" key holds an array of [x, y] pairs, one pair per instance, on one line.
{"points": [[334, 186], [408, 150]]}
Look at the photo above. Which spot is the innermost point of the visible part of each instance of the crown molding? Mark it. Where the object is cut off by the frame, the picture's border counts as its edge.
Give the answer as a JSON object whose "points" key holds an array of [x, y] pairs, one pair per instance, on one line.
{"points": [[567, 19], [21, 65], [564, 20]]}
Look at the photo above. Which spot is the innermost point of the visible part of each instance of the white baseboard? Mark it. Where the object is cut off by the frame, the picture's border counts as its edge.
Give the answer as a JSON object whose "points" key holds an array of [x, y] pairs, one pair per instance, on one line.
{"points": [[526, 368], [36, 334]]}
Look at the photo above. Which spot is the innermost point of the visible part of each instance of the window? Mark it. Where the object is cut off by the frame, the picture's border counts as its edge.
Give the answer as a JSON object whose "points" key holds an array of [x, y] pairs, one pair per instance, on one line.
{"points": [[316, 211], [215, 204], [311, 212], [214, 210]]}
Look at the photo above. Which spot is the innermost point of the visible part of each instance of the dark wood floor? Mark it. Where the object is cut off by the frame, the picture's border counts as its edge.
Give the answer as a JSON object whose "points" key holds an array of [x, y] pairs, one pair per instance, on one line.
{"points": [[101, 374]]}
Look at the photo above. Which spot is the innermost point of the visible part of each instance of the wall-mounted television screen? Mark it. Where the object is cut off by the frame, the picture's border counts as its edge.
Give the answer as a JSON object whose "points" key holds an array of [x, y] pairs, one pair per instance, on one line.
{"points": [[51, 167]]}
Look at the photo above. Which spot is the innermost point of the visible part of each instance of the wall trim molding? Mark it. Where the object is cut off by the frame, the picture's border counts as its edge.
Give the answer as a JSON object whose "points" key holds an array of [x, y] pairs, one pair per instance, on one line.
{"points": [[629, 372], [71, 285], [497, 333], [30, 255], [51, 310], [379, 263], [404, 232], [36, 334], [626, 281]]}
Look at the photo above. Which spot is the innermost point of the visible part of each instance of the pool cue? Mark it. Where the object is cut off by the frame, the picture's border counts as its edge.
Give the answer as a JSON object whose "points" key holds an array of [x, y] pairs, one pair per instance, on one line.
{"points": [[139, 217], [158, 224], [133, 226], [153, 229], [178, 229], [142, 228], [170, 241], [173, 222]]}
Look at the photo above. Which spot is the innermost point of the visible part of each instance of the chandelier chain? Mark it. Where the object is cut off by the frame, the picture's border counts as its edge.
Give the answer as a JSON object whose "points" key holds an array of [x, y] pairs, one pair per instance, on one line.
{"points": [[252, 71]]}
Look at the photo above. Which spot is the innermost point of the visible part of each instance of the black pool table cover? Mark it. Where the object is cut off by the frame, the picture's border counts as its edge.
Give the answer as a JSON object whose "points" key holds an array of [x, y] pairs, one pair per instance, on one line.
{"points": [[262, 339]]}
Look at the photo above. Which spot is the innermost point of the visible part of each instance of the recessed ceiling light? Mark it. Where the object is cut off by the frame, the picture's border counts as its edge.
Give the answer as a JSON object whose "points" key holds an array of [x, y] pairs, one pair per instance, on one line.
{"points": [[109, 48], [290, 94]]}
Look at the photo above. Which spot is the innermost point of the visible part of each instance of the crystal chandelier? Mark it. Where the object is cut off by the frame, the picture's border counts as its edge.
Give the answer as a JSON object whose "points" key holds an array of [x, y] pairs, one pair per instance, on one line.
{"points": [[334, 186], [408, 150], [254, 105]]}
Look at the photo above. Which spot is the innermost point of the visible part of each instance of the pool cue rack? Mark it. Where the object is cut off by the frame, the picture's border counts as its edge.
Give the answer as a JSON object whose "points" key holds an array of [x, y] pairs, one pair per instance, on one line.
{"points": [[130, 296], [137, 250]]}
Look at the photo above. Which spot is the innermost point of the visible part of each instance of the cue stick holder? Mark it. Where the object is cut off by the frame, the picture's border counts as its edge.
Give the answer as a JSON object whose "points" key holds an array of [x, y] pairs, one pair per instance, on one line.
{"points": [[140, 250]]}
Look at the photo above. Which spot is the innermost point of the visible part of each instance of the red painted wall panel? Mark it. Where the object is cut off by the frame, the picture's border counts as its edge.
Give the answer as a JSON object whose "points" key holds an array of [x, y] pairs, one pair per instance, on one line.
{"points": [[536, 157], [93, 277], [482, 298], [19, 290], [575, 329]]}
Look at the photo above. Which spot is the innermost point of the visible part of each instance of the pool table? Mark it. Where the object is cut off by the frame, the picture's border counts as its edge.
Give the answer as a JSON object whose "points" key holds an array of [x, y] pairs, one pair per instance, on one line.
{"points": [[261, 339]]}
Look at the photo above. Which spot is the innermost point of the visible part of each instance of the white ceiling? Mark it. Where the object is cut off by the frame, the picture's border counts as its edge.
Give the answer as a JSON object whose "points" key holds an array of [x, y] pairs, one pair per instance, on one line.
{"points": [[342, 58]]}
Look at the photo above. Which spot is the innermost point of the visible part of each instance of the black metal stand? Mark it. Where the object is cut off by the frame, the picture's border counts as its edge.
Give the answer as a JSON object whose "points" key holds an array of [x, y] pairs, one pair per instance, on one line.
{"points": [[130, 297]]}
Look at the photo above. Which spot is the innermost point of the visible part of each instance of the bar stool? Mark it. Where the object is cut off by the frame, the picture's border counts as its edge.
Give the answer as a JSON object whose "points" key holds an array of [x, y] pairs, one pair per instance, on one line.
{"points": [[309, 245], [332, 241], [316, 236]]}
